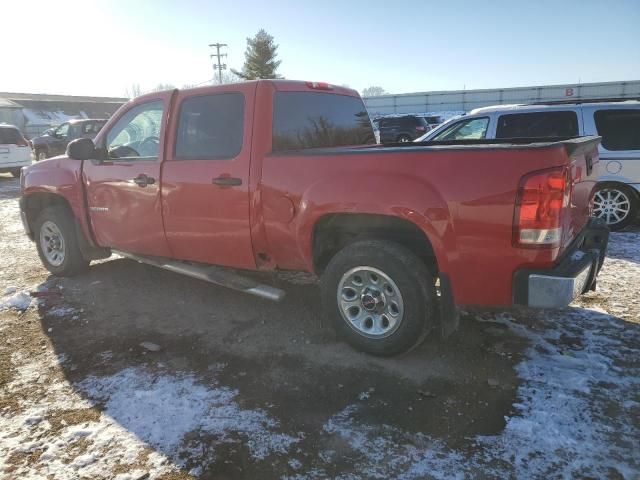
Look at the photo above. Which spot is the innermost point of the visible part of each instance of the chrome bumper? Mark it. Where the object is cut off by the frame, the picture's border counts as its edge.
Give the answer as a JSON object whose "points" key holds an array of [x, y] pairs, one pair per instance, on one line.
{"points": [[547, 291], [574, 274]]}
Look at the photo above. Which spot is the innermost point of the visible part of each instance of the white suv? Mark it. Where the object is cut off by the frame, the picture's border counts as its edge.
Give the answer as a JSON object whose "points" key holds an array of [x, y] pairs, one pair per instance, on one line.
{"points": [[15, 151], [617, 198]]}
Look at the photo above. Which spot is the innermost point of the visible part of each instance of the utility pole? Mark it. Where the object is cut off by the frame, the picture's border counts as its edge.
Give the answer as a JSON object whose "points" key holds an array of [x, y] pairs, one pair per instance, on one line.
{"points": [[219, 66]]}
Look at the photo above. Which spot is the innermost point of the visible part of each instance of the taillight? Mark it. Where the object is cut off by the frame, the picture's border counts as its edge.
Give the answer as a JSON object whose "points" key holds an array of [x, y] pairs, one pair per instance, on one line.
{"points": [[540, 200], [319, 85]]}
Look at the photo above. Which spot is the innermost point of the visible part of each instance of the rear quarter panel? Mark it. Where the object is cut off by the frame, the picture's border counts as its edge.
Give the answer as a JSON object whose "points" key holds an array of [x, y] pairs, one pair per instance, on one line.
{"points": [[462, 198]]}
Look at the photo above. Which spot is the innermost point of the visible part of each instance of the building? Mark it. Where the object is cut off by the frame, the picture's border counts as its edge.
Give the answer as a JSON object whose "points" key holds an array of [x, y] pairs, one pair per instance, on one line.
{"points": [[33, 113], [448, 103]]}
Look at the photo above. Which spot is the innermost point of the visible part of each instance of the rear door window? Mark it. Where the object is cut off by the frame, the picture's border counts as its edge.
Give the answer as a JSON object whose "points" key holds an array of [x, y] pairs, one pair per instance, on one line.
{"points": [[304, 120], [470, 129], [538, 124], [619, 129], [9, 136], [210, 127]]}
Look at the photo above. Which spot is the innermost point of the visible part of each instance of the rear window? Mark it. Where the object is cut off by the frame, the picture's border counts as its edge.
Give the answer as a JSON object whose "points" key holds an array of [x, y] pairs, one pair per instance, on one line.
{"points": [[10, 136], [538, 124], [304, 120], [619, 129], [210, 127]]}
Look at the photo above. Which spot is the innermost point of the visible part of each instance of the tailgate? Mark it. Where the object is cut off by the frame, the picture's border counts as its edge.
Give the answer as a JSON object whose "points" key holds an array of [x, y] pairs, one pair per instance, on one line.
{"points": [[6, 153], [583, 157]]}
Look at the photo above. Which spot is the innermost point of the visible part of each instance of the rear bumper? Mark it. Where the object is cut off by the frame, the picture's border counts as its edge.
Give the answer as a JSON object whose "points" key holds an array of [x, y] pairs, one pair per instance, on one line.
{"points": [[574, 275]]}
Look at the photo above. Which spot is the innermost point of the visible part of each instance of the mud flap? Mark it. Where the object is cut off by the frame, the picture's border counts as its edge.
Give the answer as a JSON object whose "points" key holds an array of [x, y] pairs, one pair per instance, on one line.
{"points": [[89, 252], [449, 314]]}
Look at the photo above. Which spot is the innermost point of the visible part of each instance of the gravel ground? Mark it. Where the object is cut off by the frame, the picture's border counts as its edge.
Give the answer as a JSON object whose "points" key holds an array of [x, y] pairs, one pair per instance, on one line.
{"points": [[129, 372]]}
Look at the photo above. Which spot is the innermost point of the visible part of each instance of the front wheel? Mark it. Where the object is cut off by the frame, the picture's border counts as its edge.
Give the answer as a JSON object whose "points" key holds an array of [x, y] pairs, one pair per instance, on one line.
{"points": [[617, 204], [57, 243], [380, 296]]}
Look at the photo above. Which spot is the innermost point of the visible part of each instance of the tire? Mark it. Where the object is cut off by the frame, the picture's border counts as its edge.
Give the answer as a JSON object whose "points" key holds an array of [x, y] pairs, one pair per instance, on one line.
{"points": [[41, 154], [403, 139], [55, 233], [616, 203], [15, 173], [412, 289]]}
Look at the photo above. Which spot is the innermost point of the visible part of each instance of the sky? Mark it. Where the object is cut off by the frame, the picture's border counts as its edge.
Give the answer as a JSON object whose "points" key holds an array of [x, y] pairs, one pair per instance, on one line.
{"points": [[104, 47]]}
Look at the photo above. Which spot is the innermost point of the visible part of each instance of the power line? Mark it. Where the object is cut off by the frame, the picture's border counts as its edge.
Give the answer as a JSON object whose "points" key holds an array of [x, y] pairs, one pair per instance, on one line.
{"points": [[219, 66]]}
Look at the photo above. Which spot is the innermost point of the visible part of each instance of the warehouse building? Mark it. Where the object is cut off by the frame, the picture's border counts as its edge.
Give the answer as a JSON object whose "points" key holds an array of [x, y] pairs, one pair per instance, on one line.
{"points": [[33, 113], [455, 102]]}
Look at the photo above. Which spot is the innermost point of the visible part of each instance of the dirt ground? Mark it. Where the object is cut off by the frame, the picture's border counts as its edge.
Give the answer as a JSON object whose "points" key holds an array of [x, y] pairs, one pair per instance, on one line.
{"points": [[245, 388]]}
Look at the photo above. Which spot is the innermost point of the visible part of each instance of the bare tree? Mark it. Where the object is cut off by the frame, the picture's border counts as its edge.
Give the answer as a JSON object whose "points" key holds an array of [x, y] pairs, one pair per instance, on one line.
{"points": [[373, 91], [162, 86], [133, 91]]}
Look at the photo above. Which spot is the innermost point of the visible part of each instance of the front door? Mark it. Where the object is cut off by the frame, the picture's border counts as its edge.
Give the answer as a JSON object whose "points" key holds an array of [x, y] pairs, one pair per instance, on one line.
{"points": [[123, 187], [205, 186], [59, 140]]}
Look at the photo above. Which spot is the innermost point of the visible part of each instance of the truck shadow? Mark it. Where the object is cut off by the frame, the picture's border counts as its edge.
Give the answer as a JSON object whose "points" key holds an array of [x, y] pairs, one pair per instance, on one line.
{"points": [[278, 359]]}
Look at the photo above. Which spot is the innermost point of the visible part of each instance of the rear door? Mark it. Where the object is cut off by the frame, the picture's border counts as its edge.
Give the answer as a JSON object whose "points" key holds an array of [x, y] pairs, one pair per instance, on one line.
{"points": [[205, 181], [123, 187]]}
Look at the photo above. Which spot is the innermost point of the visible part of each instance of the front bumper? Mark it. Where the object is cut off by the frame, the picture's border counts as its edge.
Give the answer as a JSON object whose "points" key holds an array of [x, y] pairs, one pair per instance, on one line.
{"points": [[574, 275]]}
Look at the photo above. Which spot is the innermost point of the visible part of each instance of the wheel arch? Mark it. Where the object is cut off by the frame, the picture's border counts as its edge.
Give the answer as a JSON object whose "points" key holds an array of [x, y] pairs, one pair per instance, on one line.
{"points": [[335, 231]]}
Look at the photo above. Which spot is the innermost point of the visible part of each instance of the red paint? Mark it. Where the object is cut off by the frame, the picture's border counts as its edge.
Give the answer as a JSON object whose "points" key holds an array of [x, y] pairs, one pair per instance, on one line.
{"points": [[463, 199]]}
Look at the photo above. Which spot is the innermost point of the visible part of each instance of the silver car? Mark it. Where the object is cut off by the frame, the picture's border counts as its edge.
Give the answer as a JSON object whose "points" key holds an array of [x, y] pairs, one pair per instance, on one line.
{"points": [[617, 198]]}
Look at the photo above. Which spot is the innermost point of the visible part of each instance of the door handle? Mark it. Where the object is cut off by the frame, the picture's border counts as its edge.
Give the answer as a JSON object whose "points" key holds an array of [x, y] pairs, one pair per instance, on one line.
{"points": [[227, 181], [143, 180]]}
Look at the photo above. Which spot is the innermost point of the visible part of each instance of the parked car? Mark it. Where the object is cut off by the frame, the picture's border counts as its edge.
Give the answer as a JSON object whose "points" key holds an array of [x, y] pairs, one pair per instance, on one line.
{"points": [[15, 151], [54, 141], [402, 129], [617, 198], [283, 175]]}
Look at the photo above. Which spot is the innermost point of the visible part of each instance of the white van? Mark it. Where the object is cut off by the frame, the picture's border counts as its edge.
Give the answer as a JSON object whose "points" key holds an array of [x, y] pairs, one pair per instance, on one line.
{"points": [[15, 150], [617, 199]]}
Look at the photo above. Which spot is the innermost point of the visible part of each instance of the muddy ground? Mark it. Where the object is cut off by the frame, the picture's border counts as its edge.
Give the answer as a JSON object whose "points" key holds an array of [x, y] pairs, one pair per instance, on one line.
{"points": [[245, 388]]}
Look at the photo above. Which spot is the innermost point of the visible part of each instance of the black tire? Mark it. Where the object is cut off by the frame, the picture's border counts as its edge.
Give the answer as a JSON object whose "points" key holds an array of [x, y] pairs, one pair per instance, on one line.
{"points": [[604, 189], [72, 262], [412, 279], [15, 173], [41, 154], [403, 138]]}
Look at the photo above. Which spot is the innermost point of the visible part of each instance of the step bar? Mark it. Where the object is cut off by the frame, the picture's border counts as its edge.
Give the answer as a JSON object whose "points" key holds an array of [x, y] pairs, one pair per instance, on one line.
{"points": [[213, 274]]}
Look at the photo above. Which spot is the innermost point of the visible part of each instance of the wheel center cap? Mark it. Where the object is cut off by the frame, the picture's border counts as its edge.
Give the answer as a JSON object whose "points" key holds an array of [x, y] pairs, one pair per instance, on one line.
{"points": [[372, 300]]}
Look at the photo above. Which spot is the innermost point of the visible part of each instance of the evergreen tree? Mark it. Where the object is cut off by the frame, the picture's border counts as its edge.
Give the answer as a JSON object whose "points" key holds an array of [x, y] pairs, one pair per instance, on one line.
{"points": [[260, 58]]}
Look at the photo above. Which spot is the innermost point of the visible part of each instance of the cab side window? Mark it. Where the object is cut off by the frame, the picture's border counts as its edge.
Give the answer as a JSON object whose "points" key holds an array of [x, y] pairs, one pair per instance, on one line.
{"points": [[210, 127], [470, 129], [620, 129], [136, 135]]}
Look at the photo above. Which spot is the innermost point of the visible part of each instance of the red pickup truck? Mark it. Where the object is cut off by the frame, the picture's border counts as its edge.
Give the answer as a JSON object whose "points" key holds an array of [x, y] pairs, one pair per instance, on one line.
{"points": [[285, 175]]}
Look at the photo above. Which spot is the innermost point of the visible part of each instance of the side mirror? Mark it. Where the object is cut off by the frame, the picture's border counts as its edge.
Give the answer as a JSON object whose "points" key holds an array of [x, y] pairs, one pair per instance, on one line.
{"points": [[81, 149]]}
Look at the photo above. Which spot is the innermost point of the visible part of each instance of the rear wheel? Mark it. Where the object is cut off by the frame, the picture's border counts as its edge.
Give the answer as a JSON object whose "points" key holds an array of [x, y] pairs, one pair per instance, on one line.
{"points": [[403, 139], [41, 154], [617, 204], [57, 243], [380, 296]]}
